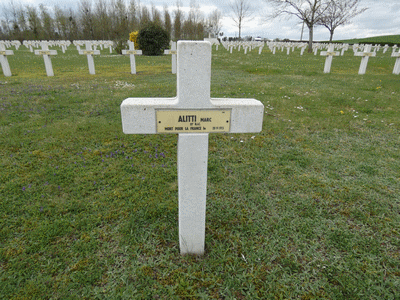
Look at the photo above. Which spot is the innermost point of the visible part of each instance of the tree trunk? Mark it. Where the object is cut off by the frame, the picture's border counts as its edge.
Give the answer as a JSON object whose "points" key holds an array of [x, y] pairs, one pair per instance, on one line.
{"points": [[310, 38], [331, 37]]}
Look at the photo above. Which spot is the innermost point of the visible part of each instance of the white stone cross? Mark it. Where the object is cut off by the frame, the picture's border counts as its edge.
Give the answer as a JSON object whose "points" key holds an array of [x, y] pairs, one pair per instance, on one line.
{"points": [[174, 54], [89, 53], [132, 52], [46, 57], [329, 56], [193, 115], [385, 48], [4, 61], [396, 69], [365, 57]]}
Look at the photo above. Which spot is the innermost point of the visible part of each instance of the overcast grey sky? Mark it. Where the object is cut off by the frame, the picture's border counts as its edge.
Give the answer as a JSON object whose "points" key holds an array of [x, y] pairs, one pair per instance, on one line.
{"points": [[382, 18]]}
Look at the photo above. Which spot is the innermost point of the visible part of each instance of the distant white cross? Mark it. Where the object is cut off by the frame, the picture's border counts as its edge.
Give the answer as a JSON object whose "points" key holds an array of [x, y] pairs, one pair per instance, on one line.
{"points": [[46, 57], [174, 54], [89, 53], [193, 114], [365, 57], [132, 52], [4, 61], [329, 56]]}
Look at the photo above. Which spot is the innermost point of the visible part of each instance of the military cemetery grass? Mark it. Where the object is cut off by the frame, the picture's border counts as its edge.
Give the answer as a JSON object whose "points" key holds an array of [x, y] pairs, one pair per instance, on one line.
{"points": [[307, 209]]}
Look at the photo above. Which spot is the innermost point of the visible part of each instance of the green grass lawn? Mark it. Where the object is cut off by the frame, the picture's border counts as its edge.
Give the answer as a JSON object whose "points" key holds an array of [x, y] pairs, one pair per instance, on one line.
{"points": [[307, 209], [390, 39]]}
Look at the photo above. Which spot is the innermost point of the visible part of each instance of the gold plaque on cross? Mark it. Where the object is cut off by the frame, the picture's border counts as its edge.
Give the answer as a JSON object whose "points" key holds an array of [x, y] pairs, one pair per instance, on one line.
{"points": [[41, 52], [193, 121]]}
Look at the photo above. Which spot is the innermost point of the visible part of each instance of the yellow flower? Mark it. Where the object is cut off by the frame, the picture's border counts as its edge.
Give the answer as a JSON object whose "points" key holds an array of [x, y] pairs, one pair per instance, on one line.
{"points": [[342, 112]]}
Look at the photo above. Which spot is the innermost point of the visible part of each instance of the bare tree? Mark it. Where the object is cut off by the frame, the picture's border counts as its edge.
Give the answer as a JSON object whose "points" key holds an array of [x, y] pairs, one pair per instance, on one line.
{"points": [[241, 10], [156, 15], [86, 19], [167, 21], [132, 13], [311, 12], [214, 22], [47, 23], [35, 26], [178, 20], [340, 12]]}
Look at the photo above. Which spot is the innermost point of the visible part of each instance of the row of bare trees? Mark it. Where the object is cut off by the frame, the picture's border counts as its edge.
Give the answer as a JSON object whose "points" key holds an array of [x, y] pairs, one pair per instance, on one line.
{"points": [[328, 13], [103, 20]]}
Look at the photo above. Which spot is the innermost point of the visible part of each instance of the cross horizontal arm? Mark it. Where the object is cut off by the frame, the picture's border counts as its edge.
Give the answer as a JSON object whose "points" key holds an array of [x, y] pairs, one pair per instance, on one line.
{"points": [[139, 114]]}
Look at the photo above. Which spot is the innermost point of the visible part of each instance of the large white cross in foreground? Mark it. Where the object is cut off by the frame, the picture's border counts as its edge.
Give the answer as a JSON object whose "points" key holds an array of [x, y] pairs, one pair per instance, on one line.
{"points": [[193, 115]]}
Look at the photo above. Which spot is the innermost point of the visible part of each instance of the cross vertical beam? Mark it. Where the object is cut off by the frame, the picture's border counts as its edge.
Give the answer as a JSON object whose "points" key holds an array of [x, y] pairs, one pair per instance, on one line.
{"points": [[192, 188]]}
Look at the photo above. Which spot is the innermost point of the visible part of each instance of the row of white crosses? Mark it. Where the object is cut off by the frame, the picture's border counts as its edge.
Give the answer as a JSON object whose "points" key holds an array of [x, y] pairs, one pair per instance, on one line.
{"points": [[89, 52], [192, 114], [247, 46], [107, 44]]}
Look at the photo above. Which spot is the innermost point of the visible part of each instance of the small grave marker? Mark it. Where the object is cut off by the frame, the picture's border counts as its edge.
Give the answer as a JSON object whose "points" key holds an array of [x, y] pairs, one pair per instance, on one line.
{"points": [[4, 61], [365, 57], [89, 54], [193, 115], [396, 69], [172, 52], [329, 56], [132, 52], [46, 57]]}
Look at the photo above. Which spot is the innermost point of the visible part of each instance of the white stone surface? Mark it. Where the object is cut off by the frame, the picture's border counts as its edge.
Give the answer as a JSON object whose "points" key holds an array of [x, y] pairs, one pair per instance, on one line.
{"points": [[192, 186], [329, 56], [89, 54], [365, 57], [132, 52], [4, 61], [46, 57], [396, 69], [193, 92]]}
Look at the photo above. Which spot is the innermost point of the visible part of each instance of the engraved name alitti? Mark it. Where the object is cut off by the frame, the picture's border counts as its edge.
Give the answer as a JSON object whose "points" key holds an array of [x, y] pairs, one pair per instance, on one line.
{"points": [[192, 118], [187, 118]]}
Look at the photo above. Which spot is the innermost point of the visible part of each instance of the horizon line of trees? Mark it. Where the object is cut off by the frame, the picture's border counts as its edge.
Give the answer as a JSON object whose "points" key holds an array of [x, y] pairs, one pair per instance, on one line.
{"points": [[103, 20]]}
